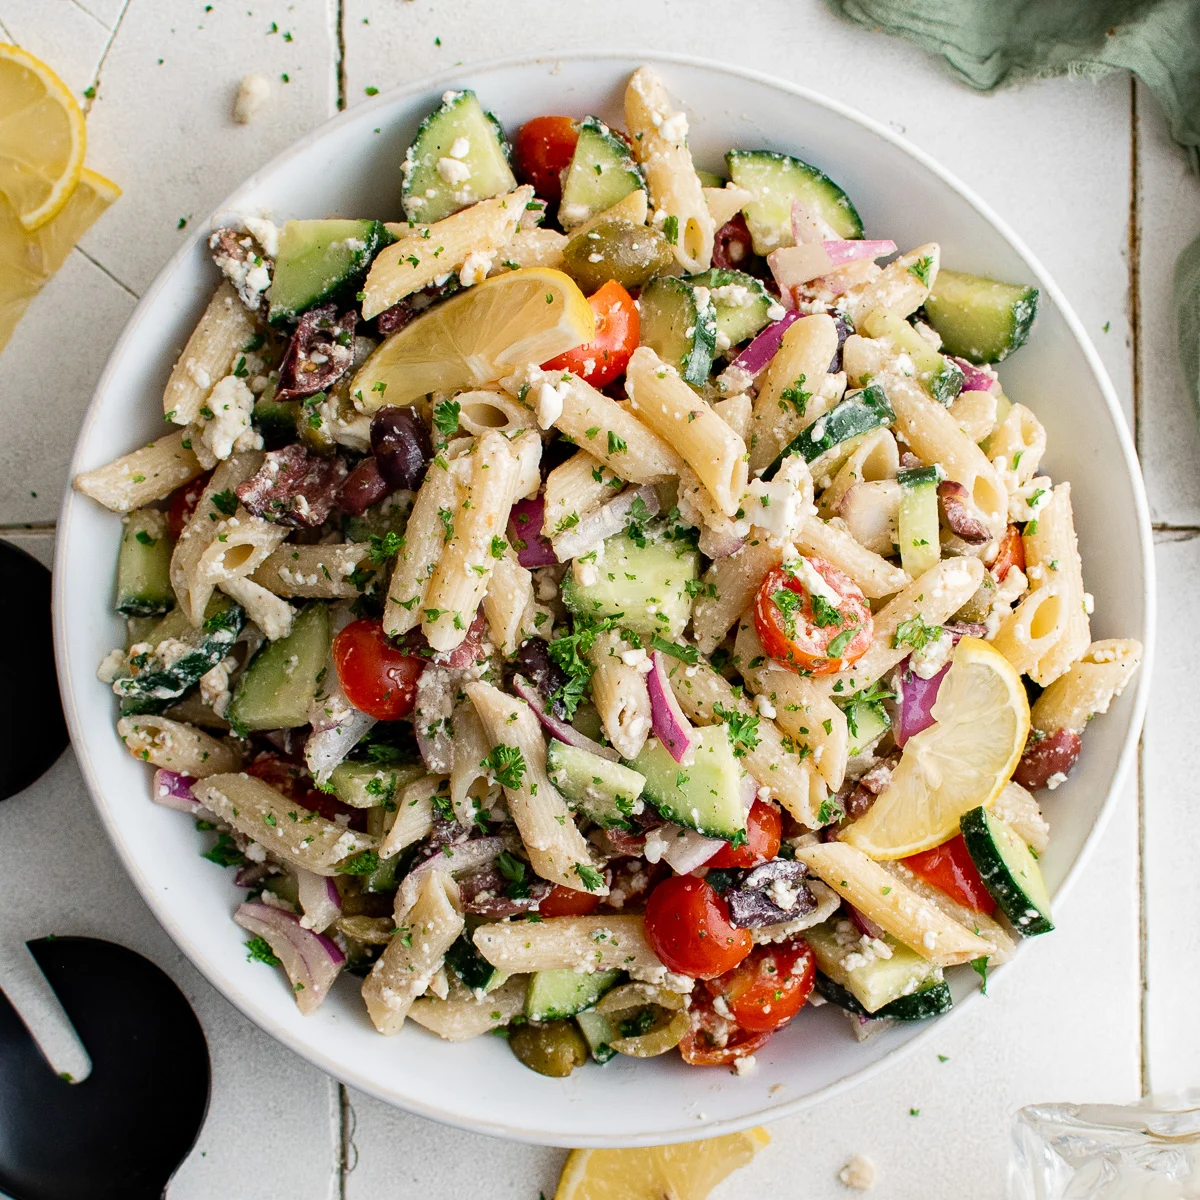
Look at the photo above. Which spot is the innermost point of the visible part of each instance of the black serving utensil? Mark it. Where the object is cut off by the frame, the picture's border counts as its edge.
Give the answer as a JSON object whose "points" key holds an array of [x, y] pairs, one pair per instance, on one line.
{"points": [[121, 1133], [32, 730]]}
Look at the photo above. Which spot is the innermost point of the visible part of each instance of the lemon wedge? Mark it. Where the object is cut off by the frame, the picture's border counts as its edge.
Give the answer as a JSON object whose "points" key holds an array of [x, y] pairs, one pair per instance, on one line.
{"points": [[962, 761], [478, 336], [688, 1171], [27, 260], [42, 138]]}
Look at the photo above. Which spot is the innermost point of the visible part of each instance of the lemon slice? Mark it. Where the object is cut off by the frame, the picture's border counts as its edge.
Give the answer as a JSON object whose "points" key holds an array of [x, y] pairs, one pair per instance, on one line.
{"points": [[688, 1171], [479, 336], [27, 260], [42, 138], [962, 761]]}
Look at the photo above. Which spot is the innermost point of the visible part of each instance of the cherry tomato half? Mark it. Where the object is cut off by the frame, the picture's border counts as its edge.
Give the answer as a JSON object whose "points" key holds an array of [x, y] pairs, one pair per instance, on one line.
{"points": [[688, 927], [809, 632], [378, 678], [1010, 554], [715, 1041], [567, 902], [544, 149], [768, 987], [764, 830], [183, 503], [297, 785], [949, 868], [605, 357]]}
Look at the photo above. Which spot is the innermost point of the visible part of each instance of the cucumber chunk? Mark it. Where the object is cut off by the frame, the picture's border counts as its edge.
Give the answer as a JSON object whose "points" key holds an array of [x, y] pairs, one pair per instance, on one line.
{"points": [[321, 260], [917, 525], [180, 654], [604, 791], [740, 300], [459, 156], [679, 323], [867, 722], [275, 689], [275, 419], [598, 1032], [470, 966], [602, 173], [144, 565], [705, 795], [644, 585], [979, 319], [775, 180], [554, 995], [369, 784], [940, 376], [930, 1001], [1008, 870], [872, 980], [857, 413]]}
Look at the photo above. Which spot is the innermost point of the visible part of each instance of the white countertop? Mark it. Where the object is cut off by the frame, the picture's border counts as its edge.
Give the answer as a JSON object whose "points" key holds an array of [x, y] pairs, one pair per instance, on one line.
{"points": [[1085, 173]]}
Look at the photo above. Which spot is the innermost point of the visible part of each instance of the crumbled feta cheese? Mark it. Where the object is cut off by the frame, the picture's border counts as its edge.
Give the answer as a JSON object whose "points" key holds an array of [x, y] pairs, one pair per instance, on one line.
{"points": [[858, 1173], [460, 147], [214, 686], [264, 232], [1056, 780], [674, 128], [453, 171], [634, 658], [765, 707], [573, 214], [475, 267], [776, 311], [746, 1065], [114, 663], [223, 425], [253, 92], [1089, 603], [814, 581], [927, 661]]}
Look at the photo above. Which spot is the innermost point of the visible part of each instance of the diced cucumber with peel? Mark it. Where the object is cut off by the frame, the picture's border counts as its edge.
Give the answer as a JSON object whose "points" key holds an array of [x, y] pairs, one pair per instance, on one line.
{"points": [[873, 979], [741, 303], [458, 157], [321, 260], [554, 995], [602, 173], [144, 565], [917, 524], [980, 319], [855, 414], [940, 376], [705, 794], [645, 585], [371, 785], [598, 1032], [775, 180], [867, 723], [930, 1001], [604, 791], [464, 959], [275, 689], [679, 323], [1008, 870]]}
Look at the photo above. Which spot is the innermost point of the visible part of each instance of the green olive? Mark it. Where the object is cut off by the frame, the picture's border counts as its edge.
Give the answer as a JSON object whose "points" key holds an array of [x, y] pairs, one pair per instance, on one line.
{"points": [[615, 249], [980, 604], [555, 1048]]}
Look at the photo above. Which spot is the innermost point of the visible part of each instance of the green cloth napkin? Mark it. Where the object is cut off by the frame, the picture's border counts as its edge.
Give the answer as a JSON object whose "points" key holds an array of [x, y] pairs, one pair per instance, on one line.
{"points": [[990, 42]]}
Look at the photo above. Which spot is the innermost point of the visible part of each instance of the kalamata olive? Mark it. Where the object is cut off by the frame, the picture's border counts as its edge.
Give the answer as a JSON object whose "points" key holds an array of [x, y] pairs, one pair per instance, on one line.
{"points": [[535, 663], [844, 330], [1043, 760], [615, 249], [401, 446], [731, 245], [363, 488], [555, 1048]]}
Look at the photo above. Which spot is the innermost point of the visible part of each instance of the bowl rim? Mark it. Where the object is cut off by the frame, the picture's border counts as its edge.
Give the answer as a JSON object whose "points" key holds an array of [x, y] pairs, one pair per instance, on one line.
{"points": [[263, 1017]]}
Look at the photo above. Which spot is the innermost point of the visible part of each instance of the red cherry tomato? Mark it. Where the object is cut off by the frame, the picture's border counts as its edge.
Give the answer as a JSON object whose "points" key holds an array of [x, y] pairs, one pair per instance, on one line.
{"points": [[716, 1041], [1011, 553], [688, 927], [297, 785], [768, 987], [949, 868], [377, 677], [764, 831], [567, 902], [810, 633], [183, 503], [605, 357], [544, 149]]}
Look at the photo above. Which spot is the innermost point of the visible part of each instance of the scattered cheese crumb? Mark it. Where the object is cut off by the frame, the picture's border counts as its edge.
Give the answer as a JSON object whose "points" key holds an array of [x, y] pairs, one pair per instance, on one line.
{"points": [[253, 92], [858, 1173]]}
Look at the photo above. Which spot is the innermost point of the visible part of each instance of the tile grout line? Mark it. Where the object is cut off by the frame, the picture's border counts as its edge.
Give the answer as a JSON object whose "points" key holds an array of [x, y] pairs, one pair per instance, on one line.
{"points": [[103, 269], [39, 527], [348, 1152], [112, 37], [88, 13]]}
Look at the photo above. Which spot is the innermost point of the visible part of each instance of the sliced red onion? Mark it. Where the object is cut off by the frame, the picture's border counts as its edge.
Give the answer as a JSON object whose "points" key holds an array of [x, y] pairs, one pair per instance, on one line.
{"points": [[607, 520], [525, 525], [974, 378], [667, 719], [688, 850], [327, 747], [251, 874], [320, 900], [311, 960], [843, 252], [808, 225], [793, 266], [436, 692], [565, 733], [172, 790], [865, 924], [719, 545], [460, 858], [754, 359], [917, 697]]}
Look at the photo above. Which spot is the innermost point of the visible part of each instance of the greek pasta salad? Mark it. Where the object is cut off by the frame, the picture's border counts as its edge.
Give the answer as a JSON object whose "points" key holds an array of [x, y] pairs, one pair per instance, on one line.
{"points": [[614, 606]]}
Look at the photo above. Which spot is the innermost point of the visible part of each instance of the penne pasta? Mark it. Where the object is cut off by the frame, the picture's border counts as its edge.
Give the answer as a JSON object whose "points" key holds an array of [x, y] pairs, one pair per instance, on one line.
{"points": [[727, 589], [142, 476], [313, 572], [874, 574], [469, 1014], [175, 746], [900, 288], [620, 695], [1087, 687], [574, 489]]}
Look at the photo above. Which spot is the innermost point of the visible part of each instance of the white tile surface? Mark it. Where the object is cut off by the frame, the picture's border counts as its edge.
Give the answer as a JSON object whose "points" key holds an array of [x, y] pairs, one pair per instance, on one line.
{"points": [[1052, 158]]}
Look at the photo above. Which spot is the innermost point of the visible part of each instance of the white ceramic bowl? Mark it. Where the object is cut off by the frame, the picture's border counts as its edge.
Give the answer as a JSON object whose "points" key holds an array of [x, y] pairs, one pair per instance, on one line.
{"points": [[350, 167]]}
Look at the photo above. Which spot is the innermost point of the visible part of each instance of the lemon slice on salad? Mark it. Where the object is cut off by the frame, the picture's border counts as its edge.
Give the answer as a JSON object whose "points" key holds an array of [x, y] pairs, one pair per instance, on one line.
{"points": [[42, 138], [688, 1171], [962, 761], [478, 336]]}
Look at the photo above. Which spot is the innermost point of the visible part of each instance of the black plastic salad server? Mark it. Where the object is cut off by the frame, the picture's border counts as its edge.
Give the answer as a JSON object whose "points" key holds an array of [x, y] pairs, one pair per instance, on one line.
{"points": [[33, 732], [123, 1131]]}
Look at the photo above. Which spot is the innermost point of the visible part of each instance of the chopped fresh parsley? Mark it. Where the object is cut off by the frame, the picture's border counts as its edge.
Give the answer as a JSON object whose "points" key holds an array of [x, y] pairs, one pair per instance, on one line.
{"points": [[915, 634], [922, 269], [225, 853], [616, 445], [980, 967], [570, 653], [796, 396], [741, 728], [671, 229], [384, 548], [829, 812], [589, 877], [259, 950], [789, 604], [685, 654], [499, 545], [445, 418], [145, 539], [365, 862], [225, 502], [824, 613], [446, 516], [639, 515], [507, 764]]}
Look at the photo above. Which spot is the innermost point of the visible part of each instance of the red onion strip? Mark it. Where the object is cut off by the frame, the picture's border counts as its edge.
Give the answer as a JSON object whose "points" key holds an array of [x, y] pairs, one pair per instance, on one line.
{"points": [[758, 354], [974, 379], [917, 698], [606, 521], [173, 790], [667, 719], [311, 960], [525, 525], [320, 900], [565, 733]]}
